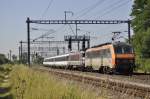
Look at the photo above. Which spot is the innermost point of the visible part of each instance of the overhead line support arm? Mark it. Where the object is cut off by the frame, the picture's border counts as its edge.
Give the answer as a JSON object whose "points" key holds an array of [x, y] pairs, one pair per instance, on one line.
{"points": [[78, 21]]}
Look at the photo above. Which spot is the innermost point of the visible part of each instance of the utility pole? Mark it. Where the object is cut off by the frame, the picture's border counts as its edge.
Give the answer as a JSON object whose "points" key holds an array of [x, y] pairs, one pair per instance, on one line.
{"points": [[83, 43], [66, 14], [57, 51], [129, 34], [28, 36], [19, 55], [70, 43], [88, 43], [78, 42]]}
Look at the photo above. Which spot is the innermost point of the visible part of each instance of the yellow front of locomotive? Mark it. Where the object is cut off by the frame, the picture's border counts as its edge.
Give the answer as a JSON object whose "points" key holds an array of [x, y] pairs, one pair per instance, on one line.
{"points": [[124, 58]]}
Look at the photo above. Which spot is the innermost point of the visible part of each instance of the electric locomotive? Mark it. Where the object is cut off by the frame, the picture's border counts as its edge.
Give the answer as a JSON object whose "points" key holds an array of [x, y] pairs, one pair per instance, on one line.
{"points": [[110, 58]]}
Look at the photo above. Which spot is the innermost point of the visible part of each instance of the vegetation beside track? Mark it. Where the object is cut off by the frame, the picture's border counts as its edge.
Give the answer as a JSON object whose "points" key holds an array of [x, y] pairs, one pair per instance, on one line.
{"points": [[31, 84], [5, 82], [141, 39]]}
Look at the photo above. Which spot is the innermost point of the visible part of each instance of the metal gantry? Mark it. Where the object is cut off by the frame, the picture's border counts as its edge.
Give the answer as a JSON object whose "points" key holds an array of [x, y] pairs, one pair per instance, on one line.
{"points": [[76, 22], [79, 21]]}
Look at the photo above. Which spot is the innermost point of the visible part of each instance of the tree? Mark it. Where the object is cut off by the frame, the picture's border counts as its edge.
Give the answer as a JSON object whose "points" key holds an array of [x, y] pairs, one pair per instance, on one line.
{"points": [[141, 27], [14, 57], [3, 59]]}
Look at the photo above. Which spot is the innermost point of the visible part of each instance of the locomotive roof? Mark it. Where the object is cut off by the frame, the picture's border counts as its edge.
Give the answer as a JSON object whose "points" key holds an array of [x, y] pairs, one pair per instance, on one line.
{"points": [[109, 43], [120, 43], [102, 45], [64, 55]]}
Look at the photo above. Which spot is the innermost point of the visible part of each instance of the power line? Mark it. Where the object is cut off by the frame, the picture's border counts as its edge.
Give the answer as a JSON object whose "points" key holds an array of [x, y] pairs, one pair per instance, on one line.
{"points": [[115, 8], [50, 3], [88, 9], [60, 28], [108, 7]]}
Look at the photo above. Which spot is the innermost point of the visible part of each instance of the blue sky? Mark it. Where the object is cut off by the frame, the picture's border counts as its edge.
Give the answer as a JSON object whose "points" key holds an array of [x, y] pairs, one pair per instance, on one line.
{"points": [[13, 14]]}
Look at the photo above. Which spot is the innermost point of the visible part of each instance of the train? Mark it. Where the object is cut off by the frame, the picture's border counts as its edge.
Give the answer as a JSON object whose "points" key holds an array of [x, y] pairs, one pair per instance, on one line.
{"points": [[110, 58]]}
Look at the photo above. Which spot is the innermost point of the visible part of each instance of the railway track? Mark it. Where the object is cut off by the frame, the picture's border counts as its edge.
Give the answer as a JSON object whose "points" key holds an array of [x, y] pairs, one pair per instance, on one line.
{"points": [[122, 86], [144, 78]]}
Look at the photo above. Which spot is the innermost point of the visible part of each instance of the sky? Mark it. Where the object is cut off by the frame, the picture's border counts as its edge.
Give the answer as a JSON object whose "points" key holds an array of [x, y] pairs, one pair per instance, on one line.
{"points": [[13, 15]]}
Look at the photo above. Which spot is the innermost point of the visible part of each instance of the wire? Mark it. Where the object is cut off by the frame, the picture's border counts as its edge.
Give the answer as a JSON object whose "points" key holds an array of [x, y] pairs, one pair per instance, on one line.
{"points": [[88, 9], [115, 8], [108, 7], [50, 3], [60, 28], [71, 29]]}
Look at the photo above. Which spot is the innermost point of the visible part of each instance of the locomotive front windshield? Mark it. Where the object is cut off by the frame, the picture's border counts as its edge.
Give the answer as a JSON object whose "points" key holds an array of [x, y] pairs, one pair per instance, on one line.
{"points": [[123, 49]]}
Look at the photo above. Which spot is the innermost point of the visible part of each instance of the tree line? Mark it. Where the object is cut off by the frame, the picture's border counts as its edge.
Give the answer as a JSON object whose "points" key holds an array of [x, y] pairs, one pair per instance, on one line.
{"points": [[141, 27]]}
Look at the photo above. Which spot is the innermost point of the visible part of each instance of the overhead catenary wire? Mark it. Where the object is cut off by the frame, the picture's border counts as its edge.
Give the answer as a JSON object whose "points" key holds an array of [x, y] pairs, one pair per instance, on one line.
{"points": [[88, 9], [71, 29], [111, 8], [108, 7], [49, 4], [115, 8]]}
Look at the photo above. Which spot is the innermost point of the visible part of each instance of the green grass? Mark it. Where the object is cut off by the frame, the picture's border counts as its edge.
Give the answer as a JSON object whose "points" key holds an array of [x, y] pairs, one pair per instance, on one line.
{"points": [[31, 84]]}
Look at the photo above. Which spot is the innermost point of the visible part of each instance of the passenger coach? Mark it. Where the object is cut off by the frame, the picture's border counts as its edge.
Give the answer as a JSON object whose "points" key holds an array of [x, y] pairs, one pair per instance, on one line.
{"points": [[71, 60]]}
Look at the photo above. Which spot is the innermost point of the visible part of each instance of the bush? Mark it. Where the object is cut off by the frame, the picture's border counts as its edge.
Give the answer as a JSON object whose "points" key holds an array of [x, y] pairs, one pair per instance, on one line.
{"points": [[144, 65], [3, 59]]}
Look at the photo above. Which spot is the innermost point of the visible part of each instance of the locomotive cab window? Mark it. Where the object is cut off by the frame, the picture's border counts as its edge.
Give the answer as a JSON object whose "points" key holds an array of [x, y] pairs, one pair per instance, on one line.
{"points": [[123, 49]]}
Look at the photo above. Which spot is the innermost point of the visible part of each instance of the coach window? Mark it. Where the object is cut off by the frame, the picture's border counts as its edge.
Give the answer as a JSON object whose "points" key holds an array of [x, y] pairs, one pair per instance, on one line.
{"points": [[56, 59], [105, 53], [67, 58], [95, 54], [62, 59], [88, 54], [101, 53], [108, 53]]}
